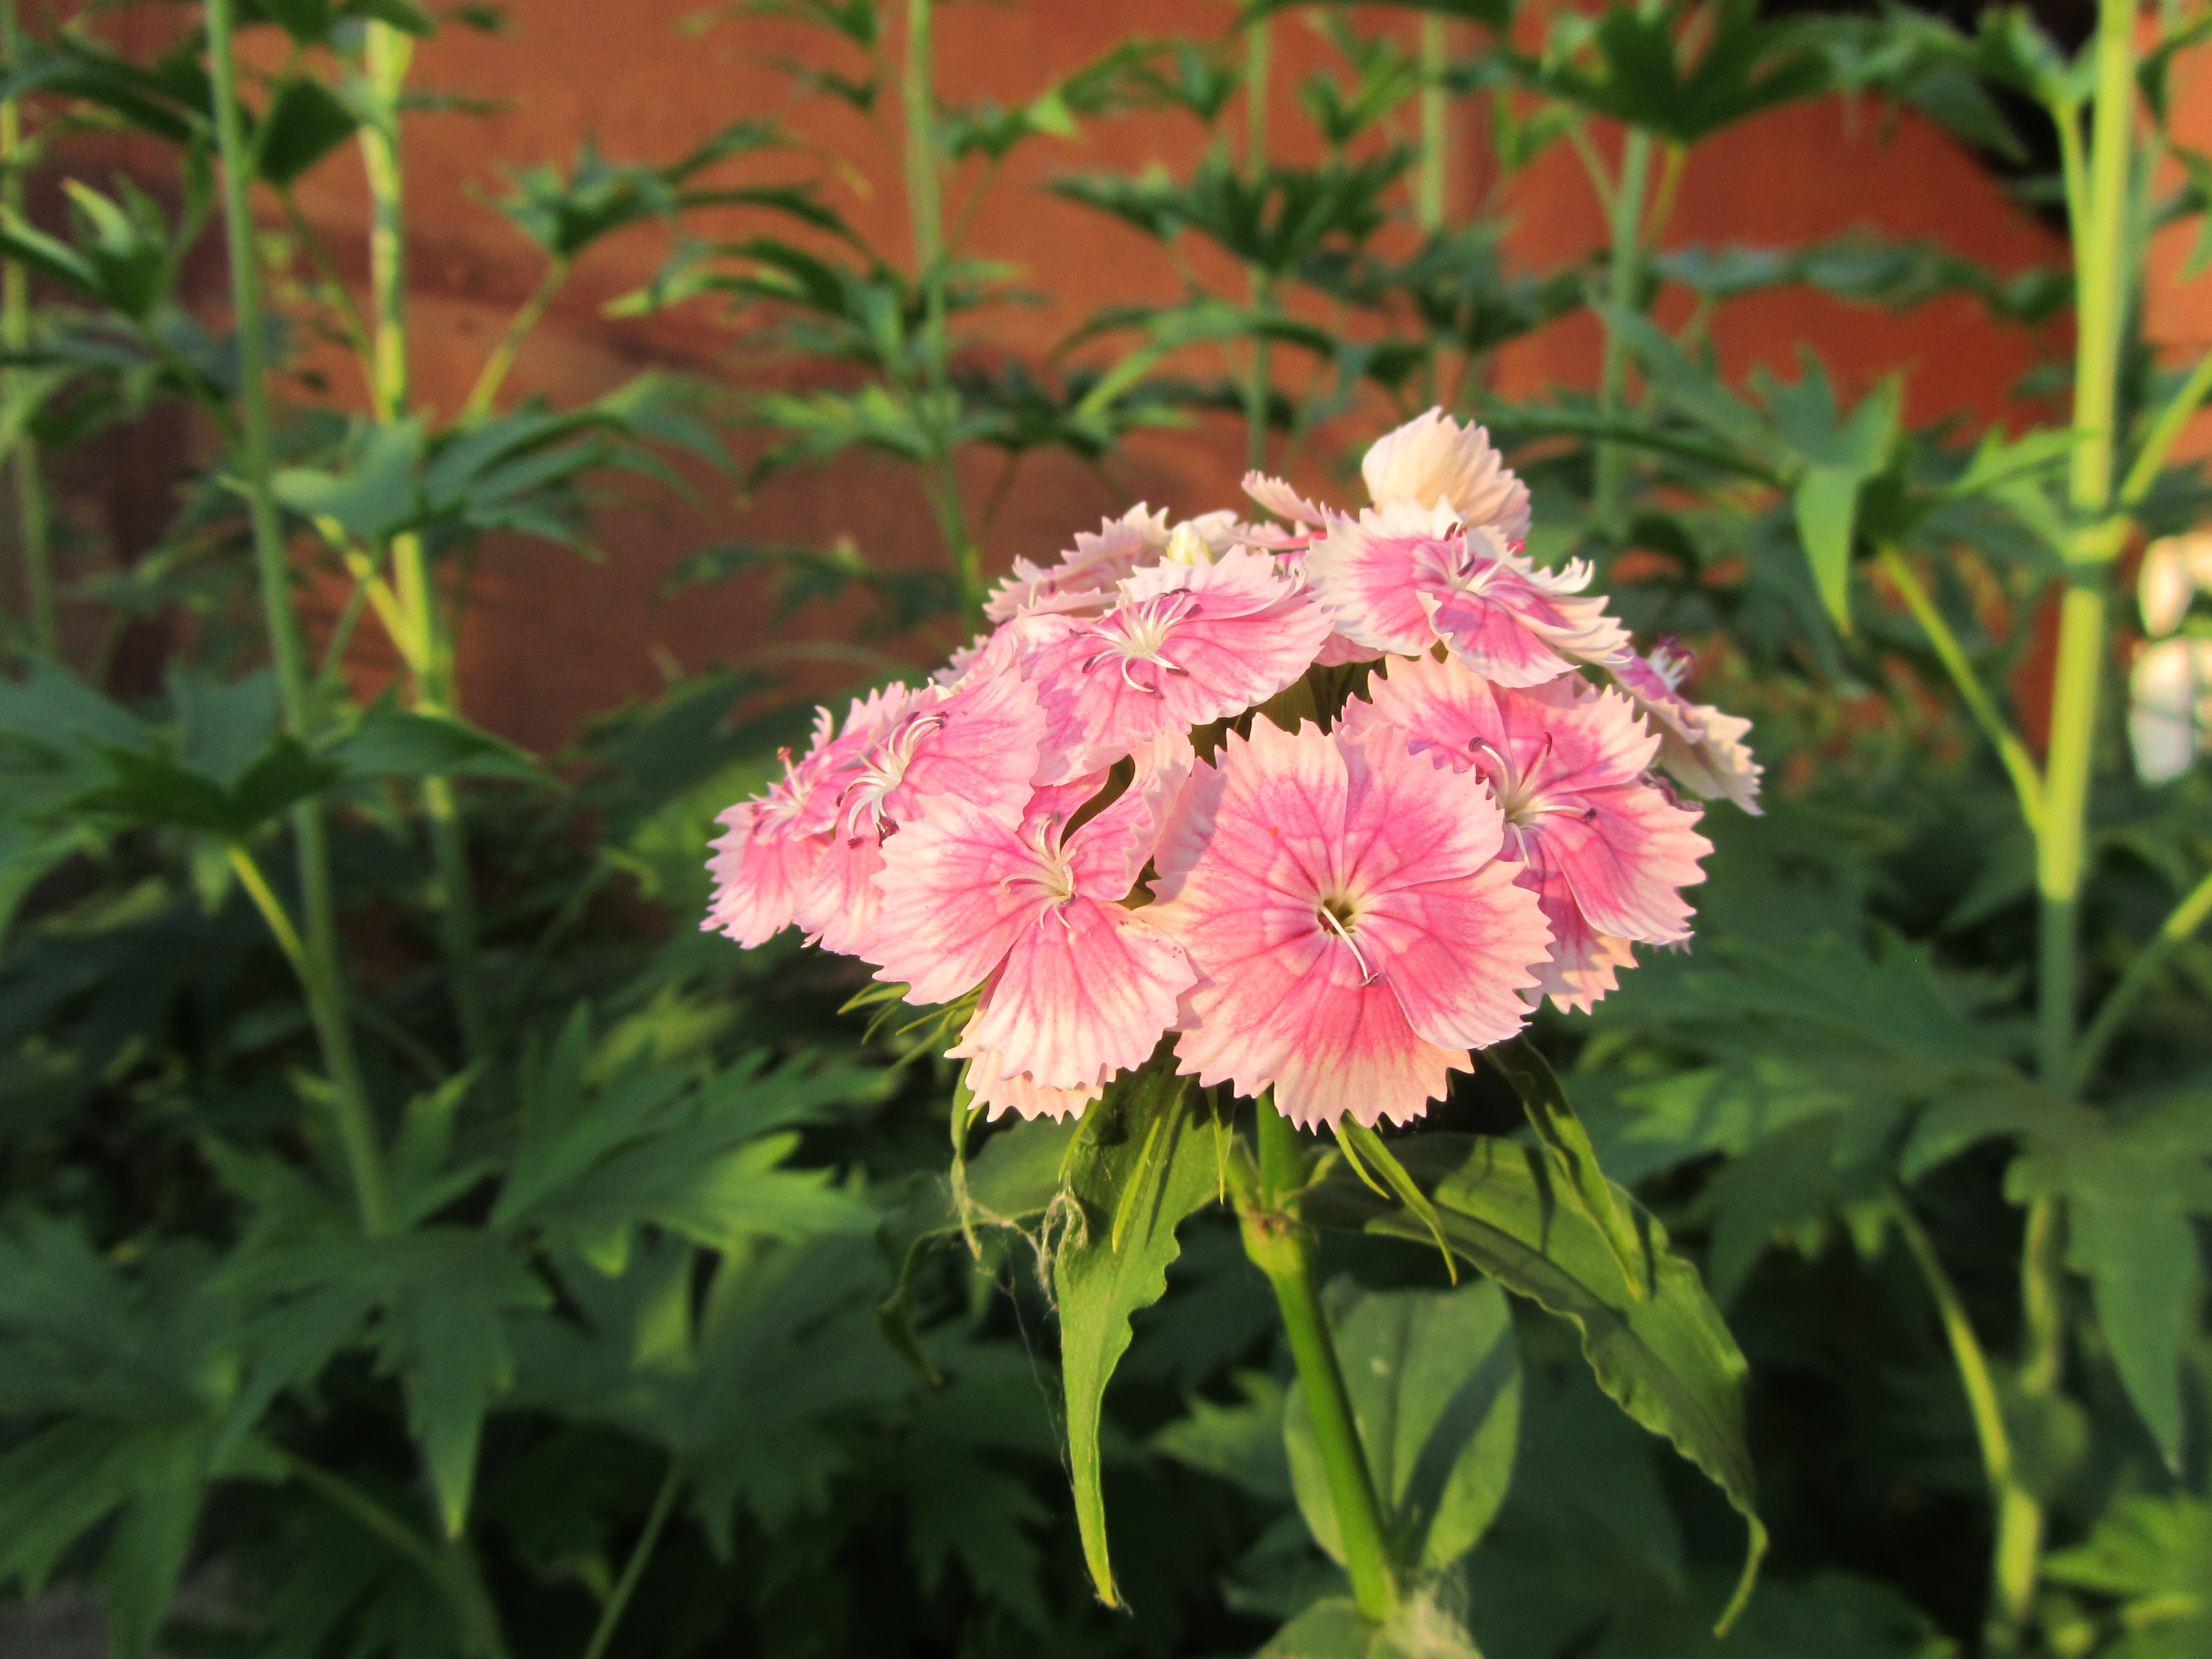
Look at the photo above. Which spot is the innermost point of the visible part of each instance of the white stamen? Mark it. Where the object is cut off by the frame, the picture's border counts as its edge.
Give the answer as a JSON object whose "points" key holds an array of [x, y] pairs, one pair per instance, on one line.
{"points": [[1329, 917]]}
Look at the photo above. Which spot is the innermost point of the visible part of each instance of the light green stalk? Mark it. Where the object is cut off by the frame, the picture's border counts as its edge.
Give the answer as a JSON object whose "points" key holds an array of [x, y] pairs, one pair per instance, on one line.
{"points": [[2019, 1518], [1258, 43], [32, 538], [2102, 267], [1430, 186], [387, 54], [1282, 1248], [925, 203], [321, 976]]}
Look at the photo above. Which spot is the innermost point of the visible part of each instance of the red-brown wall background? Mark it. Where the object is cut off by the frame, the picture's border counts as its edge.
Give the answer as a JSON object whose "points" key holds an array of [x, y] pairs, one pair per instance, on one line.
{"points": [[551, 638]]}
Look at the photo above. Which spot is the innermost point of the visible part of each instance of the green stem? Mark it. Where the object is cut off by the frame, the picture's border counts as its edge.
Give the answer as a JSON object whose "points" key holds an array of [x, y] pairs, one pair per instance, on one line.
{"points": [[2101, 265], [664, 1505], [2188, 916], [451, 1569], [325, 983], [1283, 1249], [924, 200], [1430, 188], [1624, 283], [2019, 1518], [31, 535], [2026, 784], [519, 329], [387, 53]]}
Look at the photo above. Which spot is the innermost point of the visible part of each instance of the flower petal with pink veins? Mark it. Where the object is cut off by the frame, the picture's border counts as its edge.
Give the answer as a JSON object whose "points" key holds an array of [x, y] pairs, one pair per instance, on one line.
{"points": [[759, 876], [1370, 573], [1608, 850], [1432, 458], [764, 866], [1401, 578], [1700, 747], [1088, 574], [978, 743], [1186, 644], [838, 908], [1285, 502], [1342, 900], [1297, 1017], [956, 891], [1087, 986], [990, 1087]]}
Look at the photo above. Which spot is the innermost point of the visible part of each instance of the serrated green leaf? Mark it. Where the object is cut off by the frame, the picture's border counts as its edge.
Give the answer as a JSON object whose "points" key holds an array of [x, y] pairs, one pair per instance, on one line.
{"points": [[1552, 1116], [305, 121], [1668, 1359], [1434, 1380], [1145, 1162]]}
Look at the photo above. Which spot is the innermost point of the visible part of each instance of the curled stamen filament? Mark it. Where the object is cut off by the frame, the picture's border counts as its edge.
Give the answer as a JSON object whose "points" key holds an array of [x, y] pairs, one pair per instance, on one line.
{"points": [[1328, 919]]}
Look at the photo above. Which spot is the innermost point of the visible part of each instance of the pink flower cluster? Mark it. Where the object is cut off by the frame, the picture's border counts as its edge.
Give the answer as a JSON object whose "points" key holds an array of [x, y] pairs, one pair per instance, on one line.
{"points": [[1333, 800]]}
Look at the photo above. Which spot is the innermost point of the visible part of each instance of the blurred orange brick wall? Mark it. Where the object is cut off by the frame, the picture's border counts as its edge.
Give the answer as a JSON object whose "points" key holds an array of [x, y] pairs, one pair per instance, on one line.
{"points": [[551, 637]]}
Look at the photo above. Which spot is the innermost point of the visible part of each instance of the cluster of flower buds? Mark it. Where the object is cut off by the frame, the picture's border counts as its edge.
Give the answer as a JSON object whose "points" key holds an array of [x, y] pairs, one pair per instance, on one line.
{"points": [[1332, 800]]}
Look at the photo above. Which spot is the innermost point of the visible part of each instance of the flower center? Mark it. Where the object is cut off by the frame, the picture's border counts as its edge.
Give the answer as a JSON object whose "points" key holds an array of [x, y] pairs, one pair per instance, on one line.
{"points": [[1052, 877], [1140, 633], [1341, 917], [881, 770]]}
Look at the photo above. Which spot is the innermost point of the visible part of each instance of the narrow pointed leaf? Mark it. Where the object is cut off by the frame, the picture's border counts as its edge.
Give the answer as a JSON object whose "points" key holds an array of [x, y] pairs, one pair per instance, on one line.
{"points": [[1552, 1116], [1144, 1164]]}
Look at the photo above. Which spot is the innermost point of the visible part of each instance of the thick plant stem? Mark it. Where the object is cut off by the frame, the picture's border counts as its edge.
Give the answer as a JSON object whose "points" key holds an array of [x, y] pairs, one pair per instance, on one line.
{"points": [[1624, 283], [32, 540], [664, 1505], [322, 981], [925, 206], [2019, 1518], [2101, 269], [1283, 1249], [387, 54], [1430, 185]]}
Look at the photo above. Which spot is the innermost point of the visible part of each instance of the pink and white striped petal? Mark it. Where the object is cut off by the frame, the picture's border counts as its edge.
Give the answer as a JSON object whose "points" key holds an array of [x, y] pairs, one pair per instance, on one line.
{"points": [[1700, 748], [1355, 934], [1433, 459], [1186, 644]]}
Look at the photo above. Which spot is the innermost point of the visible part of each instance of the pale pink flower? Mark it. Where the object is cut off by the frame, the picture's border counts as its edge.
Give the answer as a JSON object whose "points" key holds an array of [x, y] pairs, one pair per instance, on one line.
{"points": [[978, 743], [1185, 644], [998, 1093], [1607, 850], [1075, 987], [1700, 747], [773, 844], [1355, 929], [1401, 578], [1285, 502], [1433, 460], [1087, 575]]}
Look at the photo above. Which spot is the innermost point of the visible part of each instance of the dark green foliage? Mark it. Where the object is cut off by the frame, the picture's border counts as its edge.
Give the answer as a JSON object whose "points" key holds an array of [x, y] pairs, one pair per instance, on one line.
{"points": [[682, 1322]]}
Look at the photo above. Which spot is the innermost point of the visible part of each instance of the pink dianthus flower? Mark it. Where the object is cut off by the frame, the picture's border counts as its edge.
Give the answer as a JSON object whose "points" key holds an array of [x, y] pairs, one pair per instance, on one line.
{"points": [[1607, 850], [1074, 986], [1356, 931], [1401, 578]]}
